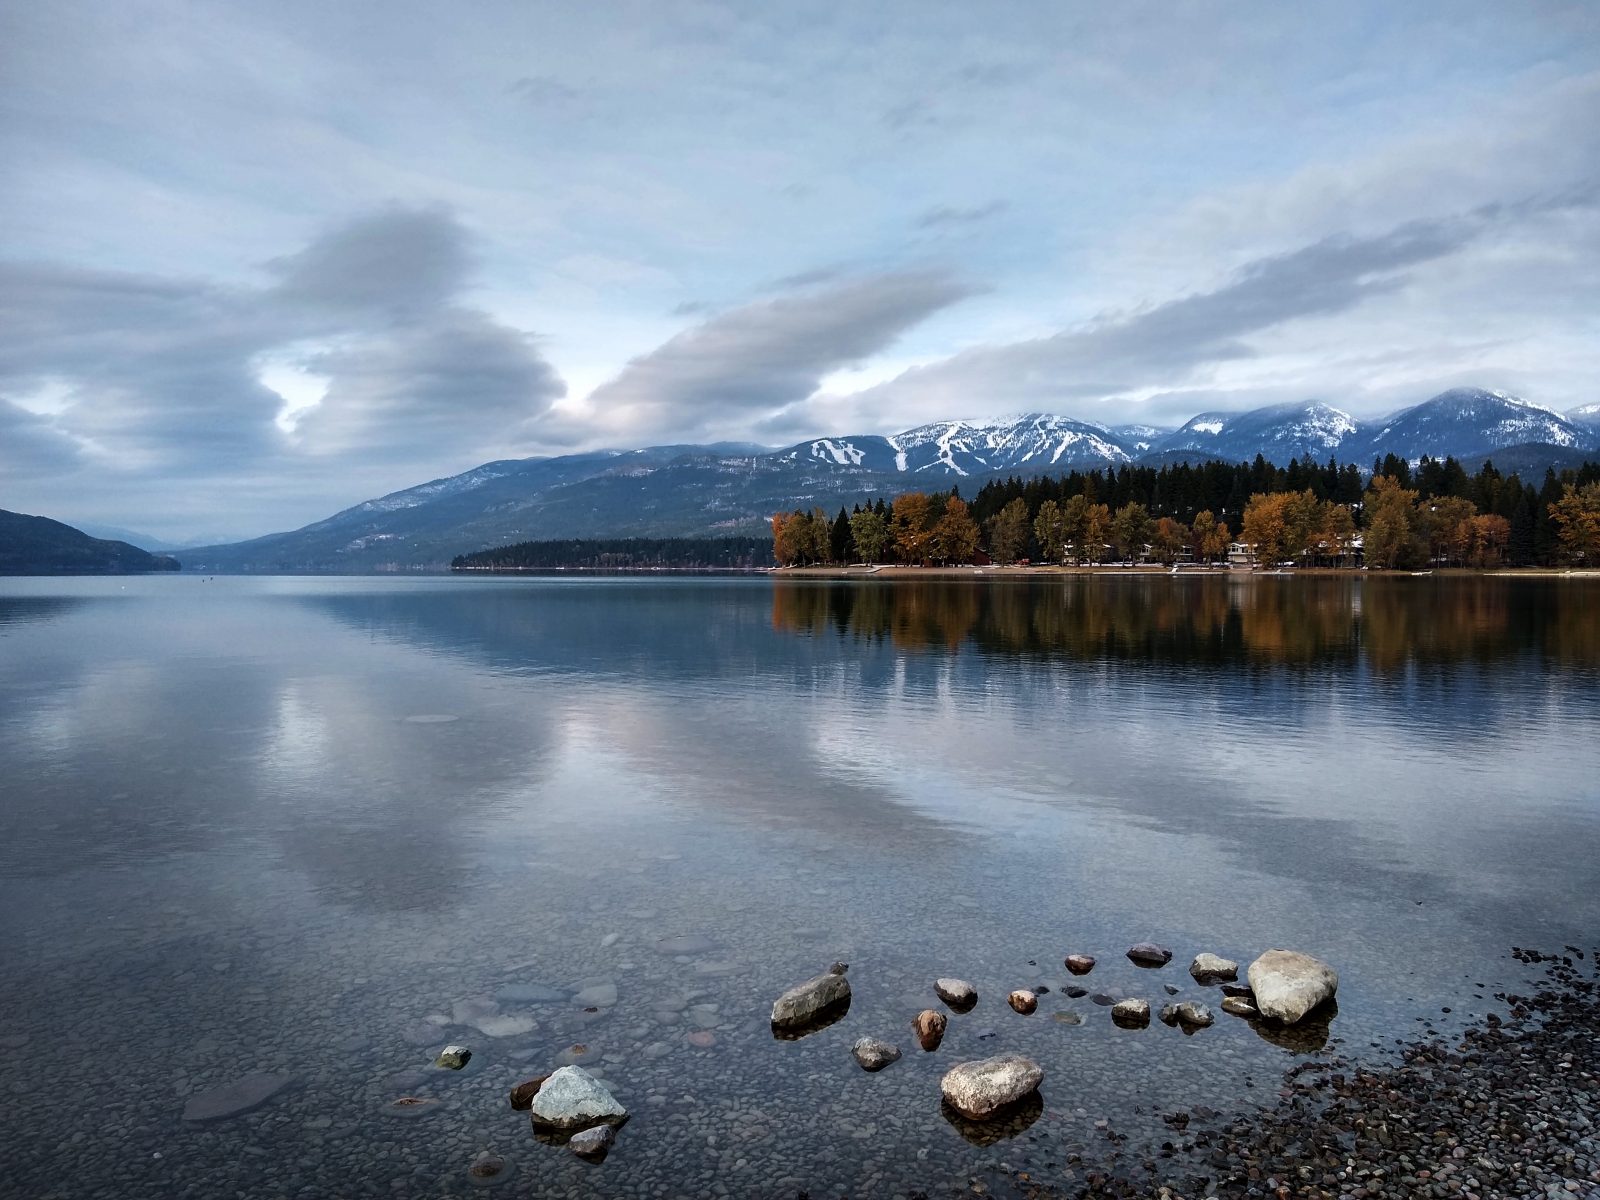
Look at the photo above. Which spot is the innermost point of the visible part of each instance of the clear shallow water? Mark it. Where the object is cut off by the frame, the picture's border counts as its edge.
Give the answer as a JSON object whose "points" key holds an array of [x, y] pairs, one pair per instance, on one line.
{"points": [[275, 825]]}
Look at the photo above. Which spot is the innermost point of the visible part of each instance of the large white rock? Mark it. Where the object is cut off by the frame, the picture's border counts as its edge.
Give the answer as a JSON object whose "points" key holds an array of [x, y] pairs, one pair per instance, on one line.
{"points": [[980, 1089], [1288, 984], [802, 1004], [574, 1099]]}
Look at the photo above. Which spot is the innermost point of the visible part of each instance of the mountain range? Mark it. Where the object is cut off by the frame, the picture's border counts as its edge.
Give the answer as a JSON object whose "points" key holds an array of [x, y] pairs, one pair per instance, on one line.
{"points": [[39, 546], [733, 488]]}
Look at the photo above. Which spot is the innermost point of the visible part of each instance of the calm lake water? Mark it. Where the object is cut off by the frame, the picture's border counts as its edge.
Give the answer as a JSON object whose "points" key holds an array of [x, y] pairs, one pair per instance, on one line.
{"points": [[321, 827]]}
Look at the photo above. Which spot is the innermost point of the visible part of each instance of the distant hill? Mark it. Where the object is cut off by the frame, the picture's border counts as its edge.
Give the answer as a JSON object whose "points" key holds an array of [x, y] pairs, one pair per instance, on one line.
{"points": [[40, 546], [732, 490]]}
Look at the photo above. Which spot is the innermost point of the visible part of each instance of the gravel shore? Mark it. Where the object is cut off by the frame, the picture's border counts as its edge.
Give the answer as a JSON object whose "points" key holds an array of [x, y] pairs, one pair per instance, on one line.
{"points": [[1512, 1109]]}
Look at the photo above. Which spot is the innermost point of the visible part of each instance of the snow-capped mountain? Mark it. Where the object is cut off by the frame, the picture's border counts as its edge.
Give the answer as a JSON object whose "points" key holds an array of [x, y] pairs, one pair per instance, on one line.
{"points": [[1278, 432], [1587, 416], [735, 488], [1465, 422], [1026, 443]]}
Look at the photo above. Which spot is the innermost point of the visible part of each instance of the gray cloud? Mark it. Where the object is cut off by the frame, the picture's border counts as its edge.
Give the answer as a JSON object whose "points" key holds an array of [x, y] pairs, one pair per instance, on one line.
{"points": [[1164, 343], [439, 383], [158, 378], [763, 356], [944, 214], [31, 447], [388, 263]]}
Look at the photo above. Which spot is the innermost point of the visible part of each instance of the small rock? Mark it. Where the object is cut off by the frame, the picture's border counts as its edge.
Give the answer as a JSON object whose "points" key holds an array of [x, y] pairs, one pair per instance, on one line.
{"points": [[1148, 954], [1169, 1014], [1067, 1017], [578, 1053], [702, 1039], [810, 1001], [522, 1095], [1131, 1014], [957, 993], [838, 968], [979, 1090], [1194, 1014], [1103, 999], [592, 1145], [1208, 968], [1288, 984], [1171, 989], [1238, 1006], [1080, 964], [571, 1098], [453, 1058], [1023, 1001], [1238, 989], [874, 1055], [412, 1106], [488, 1170], [930, 1027], [1076, 993]]}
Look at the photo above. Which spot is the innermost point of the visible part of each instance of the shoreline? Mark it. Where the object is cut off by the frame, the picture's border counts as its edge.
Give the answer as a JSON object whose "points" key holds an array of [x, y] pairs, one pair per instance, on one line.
{"points": [[1508, 1107], [900, 571]]}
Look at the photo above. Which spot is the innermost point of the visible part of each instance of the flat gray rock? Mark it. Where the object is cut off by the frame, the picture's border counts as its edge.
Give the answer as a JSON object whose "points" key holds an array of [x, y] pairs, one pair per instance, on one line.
{"points": [[235, 1098], [804, 1002]]}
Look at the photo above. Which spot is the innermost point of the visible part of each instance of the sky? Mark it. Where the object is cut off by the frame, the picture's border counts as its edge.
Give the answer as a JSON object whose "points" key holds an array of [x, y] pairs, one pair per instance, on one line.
{"points": [[261, 261]]}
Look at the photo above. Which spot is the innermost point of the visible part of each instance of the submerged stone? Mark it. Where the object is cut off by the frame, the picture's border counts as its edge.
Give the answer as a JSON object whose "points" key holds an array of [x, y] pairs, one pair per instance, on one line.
{"points": [[236, 1098], [930, 1027]]}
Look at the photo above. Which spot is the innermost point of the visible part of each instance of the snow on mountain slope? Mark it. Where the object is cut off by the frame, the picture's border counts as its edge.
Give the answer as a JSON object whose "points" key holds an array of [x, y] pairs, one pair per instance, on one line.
{"points": [[1278, 432], [1467, 421]]}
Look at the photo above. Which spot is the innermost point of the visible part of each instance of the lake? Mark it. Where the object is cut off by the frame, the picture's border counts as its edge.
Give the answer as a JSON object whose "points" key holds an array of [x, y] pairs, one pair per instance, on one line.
{"points": [[320, 827]]}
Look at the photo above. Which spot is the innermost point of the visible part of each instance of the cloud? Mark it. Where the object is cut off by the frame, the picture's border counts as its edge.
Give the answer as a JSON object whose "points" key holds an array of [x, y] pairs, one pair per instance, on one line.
{"points": [[743, 363], [1164, 344], [440, 383], [390, 263], [943, 214], [160, 378]]}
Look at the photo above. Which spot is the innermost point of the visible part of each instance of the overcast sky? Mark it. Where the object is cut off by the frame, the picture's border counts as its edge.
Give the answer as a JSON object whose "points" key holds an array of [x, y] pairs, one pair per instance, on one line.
{"points": [[263, 261]]}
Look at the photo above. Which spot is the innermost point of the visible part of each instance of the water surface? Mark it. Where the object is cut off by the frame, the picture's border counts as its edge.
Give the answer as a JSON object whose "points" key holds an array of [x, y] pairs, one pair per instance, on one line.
{"points": [[278, 825]]}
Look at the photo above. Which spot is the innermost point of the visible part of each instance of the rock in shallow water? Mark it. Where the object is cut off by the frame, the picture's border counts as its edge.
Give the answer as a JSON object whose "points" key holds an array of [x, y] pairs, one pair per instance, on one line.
{"points": [[874, 1055], [1023, 1001], [593, 1145], [522, 1095], [810, 1001], [1148, 954], [574, 1099], [1288, 984], [488, 1170], [1080, 964], [232, 1099], [1238, 1006], [957, 993], [1208, 968], [982, 1089], [453, 1058], [1194, 1015], [1131, 1014], [930, 1027]]}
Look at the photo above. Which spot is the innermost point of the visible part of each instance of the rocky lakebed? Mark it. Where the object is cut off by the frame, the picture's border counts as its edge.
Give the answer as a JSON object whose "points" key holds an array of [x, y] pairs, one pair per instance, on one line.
{"points": [[1504, 1106]]}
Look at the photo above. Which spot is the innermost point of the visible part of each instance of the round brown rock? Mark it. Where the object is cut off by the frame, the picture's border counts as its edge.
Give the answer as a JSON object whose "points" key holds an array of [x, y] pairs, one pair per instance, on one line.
{"points": [[1023, 1001], [930, 1027]]}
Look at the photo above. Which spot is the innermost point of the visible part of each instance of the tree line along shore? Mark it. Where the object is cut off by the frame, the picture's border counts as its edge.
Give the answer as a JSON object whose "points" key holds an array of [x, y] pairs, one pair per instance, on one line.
{"points": [[1254, 514]]}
